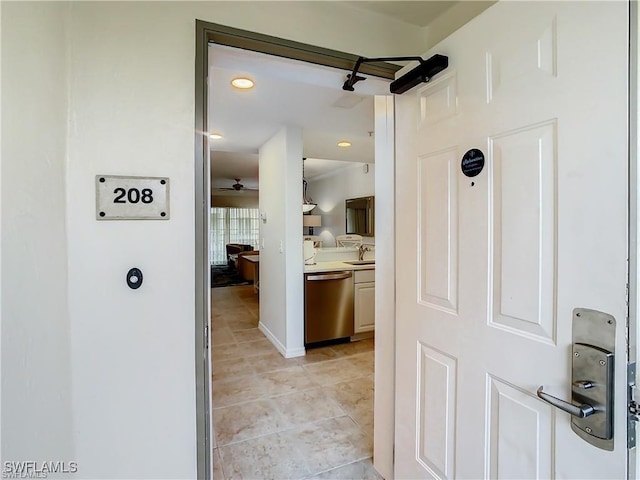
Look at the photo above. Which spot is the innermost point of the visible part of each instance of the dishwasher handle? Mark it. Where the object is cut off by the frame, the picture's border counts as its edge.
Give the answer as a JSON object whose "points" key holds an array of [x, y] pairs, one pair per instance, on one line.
{"points": [[329, 276]]}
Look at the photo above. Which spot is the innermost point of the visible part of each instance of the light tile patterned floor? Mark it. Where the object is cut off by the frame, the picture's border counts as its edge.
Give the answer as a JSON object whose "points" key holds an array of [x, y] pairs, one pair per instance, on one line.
{"points": [[277, 418]]}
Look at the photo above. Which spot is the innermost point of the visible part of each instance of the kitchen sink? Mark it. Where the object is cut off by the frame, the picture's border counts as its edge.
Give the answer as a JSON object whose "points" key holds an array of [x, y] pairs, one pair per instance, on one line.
{"points": [[362, 262]]}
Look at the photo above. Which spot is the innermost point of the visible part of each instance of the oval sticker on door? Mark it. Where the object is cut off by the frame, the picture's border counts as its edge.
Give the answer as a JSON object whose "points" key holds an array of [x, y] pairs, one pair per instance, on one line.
{"points": [[472, 162]]}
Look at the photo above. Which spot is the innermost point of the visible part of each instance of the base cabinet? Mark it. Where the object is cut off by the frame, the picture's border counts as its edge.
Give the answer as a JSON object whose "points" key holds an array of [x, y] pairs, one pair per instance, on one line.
{"points": [[364, 307]]}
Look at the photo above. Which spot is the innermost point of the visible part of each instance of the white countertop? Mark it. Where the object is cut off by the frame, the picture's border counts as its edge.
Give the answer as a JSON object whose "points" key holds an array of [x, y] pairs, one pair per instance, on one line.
{"points": [[335, 267]]}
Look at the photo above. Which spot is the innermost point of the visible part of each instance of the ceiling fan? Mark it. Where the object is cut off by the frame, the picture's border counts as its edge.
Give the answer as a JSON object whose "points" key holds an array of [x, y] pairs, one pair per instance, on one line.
{"points": [[238, 187]]}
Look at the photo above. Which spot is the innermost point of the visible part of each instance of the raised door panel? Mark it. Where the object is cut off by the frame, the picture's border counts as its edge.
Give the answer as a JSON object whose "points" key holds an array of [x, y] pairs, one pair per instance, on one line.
{"points": [[437, 229], [520, 433], [524, 231], [437, 375]]}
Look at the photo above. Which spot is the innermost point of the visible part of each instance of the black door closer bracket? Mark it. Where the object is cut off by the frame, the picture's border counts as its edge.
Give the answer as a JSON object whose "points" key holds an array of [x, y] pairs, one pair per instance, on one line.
{"points": [[422, 73]]}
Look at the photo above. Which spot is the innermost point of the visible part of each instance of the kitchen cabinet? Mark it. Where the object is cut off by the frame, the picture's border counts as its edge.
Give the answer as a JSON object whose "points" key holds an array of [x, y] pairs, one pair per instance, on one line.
{"points": [[364, 302]]}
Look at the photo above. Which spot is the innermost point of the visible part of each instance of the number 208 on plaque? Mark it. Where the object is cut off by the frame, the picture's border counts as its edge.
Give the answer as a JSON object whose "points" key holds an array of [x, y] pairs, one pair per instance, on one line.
{"points": [[132, 198]]}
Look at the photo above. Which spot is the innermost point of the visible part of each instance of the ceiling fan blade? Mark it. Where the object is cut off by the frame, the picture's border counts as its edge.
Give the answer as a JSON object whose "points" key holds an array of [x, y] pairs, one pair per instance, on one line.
{"points": [[236, 187]]}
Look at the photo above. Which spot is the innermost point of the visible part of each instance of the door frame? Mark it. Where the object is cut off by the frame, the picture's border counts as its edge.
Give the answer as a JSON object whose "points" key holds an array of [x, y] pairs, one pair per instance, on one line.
{"points": [[633, 459], [207, 33]]}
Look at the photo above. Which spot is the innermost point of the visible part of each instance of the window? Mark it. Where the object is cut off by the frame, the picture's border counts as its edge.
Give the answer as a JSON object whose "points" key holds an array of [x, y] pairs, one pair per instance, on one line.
{"points": [[232, 225]]}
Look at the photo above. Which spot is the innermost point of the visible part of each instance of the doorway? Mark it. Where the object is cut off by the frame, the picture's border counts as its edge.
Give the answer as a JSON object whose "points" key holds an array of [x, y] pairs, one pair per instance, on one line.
{"points": [[203, 181]]}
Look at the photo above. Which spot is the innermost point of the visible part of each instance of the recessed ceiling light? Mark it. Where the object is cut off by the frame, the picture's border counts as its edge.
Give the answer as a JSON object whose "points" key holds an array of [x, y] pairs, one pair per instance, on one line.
{"points": [[215, 136], [344, 143], [242, 83]]}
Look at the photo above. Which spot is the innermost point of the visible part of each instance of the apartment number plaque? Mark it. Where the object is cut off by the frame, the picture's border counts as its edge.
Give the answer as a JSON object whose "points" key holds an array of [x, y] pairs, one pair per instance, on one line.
{"points": [[132, 198]]}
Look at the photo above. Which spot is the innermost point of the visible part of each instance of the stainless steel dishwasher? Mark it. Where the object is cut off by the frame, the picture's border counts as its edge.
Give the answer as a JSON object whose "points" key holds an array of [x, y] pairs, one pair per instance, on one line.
{"points": [[328, 306]]}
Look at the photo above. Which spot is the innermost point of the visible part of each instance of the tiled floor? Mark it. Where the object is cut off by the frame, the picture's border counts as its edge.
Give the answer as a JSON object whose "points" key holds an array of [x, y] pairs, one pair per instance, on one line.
{"points": [[277, 418]]}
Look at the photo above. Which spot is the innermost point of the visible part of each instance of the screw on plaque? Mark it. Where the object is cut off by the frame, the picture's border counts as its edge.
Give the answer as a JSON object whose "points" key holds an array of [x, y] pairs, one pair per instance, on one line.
{"points": [[134, 278]]}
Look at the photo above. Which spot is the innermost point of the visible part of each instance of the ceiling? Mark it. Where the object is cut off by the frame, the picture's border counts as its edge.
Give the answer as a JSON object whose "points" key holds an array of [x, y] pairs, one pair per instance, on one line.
{"points": [[286, 92], [289, 92], [416, 13]]}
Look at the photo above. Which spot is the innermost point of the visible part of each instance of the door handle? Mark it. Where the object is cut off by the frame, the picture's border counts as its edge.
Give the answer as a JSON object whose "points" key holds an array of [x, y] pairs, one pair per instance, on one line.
{"points": [[580, 411], [592, 378], [331, 276]]}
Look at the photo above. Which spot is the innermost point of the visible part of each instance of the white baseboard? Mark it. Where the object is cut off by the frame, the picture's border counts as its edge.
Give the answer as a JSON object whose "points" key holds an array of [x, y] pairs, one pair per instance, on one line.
{"points": [[286, 353], [295, 352]]}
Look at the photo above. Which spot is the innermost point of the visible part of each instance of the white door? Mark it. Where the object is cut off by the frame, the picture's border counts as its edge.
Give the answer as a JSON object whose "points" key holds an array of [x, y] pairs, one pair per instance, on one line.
{"points": [[491, 267]]}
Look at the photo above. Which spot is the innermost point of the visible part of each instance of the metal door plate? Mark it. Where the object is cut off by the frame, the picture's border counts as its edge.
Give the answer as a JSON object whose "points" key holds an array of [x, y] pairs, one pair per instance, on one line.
{"points": [[594, 328], [593, 362], [594, 365]]}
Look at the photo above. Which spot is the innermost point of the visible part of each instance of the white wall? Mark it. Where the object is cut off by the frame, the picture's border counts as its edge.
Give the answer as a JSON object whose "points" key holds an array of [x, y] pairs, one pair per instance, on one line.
{"points": [[72, 332], [271, 161], [36, 419], [330, 192], [294, 287], [281, 293], [132, 113]]}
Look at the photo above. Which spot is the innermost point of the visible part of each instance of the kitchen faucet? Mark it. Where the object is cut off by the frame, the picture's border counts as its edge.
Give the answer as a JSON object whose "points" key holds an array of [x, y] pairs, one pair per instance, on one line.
{"points": [[362, 249]]}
